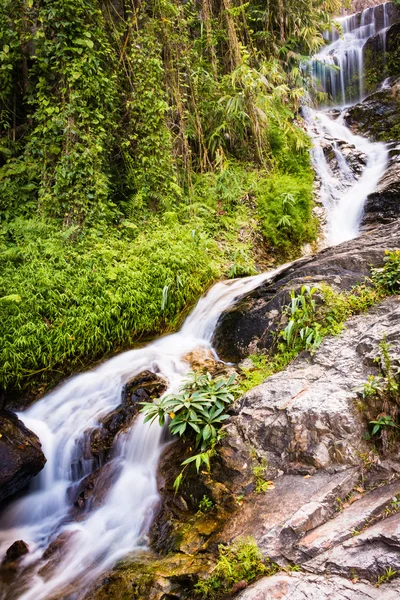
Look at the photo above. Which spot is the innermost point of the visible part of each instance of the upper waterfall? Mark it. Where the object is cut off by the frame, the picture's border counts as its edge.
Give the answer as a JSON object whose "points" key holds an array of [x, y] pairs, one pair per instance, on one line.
{"points": [[339, 67]]}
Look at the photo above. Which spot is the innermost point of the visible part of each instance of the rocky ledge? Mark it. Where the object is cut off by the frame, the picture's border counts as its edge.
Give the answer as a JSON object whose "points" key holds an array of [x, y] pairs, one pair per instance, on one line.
{"points": [[251, 325], [21, 455]]}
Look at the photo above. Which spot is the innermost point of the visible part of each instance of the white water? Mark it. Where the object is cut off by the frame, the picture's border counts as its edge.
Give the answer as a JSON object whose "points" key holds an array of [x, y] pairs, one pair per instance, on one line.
{"points": [[61, 419], [338, 71]]}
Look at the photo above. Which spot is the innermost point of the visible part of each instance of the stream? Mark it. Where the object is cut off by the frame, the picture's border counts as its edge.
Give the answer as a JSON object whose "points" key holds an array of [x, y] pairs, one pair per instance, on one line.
{"points": [[61, 418]]}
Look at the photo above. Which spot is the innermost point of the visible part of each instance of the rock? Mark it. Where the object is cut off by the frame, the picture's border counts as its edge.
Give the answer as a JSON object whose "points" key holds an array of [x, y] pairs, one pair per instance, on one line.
{"points": [[16, 551], [382, 206], [251, 325], [143, 388], [179, 526], [90, 493], [278, 518], [378, 115], [145, 576], [381, 55], [367, 555], [21, 455], [351, 520], [303, 586], [305, 417]]}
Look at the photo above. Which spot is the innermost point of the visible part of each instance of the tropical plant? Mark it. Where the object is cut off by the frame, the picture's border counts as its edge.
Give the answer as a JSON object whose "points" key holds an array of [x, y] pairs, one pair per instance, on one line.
{"points": [[302, 329], [198, 411]]}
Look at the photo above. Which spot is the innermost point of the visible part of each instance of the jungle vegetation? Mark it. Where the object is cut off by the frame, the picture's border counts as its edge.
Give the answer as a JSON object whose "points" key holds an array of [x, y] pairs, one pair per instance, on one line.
{"points": [[144, 147]]}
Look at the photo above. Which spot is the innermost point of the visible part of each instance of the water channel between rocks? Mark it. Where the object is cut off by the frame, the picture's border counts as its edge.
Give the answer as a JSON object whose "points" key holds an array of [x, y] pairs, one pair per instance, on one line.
{"points": [[62, 417]]}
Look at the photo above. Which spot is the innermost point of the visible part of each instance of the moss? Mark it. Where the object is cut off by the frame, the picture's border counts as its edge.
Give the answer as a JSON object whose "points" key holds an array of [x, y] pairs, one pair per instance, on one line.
{"points": [[147, 577]]}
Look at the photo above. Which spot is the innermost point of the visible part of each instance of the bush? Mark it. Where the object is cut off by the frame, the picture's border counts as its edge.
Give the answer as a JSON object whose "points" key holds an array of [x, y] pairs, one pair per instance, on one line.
{"points": [[198, 411], [285, 204], [65, 302]]}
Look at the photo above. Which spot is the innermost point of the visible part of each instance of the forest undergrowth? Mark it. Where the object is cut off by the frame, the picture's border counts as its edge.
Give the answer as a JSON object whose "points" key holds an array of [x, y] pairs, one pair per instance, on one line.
{"points": [[146, 150]]}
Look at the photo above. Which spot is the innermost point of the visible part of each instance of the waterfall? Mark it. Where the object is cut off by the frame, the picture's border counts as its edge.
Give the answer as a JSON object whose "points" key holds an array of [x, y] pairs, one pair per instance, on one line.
{"points": [[60, 419], [337, 70], [338, 67]]}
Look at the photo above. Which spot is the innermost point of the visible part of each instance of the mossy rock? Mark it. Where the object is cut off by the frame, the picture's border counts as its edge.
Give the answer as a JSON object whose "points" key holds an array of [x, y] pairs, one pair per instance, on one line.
{"points": [[148, 577]]}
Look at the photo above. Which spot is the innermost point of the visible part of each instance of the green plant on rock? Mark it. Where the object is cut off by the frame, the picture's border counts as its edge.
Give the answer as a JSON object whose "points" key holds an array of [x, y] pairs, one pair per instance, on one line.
{"points": [[242, 561], [302, 330], [386, 576], [205, 504], [387, 277], [382, 395], [198, 411]]}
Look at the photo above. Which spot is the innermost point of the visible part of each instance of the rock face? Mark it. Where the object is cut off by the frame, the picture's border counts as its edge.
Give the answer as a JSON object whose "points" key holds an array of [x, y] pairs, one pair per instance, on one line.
{"points": [[383, 205], [21, 455], [251, 325], [378, 115], [301, 586], [305, 415]]}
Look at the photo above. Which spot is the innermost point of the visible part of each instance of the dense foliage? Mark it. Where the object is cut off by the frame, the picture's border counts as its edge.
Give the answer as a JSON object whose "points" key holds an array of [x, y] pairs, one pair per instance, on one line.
{"points": [[130, 136]]}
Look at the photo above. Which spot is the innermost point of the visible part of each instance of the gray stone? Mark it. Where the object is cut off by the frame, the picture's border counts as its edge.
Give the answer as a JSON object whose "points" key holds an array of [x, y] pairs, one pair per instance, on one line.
{"points": [[305, 417], [301, 586], [348, 522]]}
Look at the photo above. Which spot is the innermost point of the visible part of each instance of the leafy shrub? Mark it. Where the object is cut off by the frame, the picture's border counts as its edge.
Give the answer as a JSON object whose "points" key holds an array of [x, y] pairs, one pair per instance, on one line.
{"points": [[66, 299], [388, 277], [382, 395], [285, 203], [303, 330], [198, 411], [242, 561]]}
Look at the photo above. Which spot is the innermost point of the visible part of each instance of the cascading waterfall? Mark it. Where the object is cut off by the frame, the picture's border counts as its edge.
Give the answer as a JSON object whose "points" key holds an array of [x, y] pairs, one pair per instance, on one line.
{"points": [[338, 71], [92, 545], [60, 420]]}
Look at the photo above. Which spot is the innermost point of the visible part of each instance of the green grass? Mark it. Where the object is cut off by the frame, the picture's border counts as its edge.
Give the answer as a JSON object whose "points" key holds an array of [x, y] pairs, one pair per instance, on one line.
{"points": [[65, 302], [71, 296]]}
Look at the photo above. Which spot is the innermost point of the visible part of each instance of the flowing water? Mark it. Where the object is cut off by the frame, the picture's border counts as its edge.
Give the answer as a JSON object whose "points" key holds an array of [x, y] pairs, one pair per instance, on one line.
{"points": [[95, 543], [61, 418], [338, 71]]}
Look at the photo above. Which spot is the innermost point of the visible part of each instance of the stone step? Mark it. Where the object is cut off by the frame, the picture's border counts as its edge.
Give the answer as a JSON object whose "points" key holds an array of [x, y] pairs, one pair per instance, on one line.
{"points": [[352, 519]]}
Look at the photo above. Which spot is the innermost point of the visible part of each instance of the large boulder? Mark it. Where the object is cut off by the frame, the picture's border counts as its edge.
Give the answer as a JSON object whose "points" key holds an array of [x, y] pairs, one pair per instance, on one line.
{"points": [[305, 417], [251, 324], [382, 206], [21, 456]]}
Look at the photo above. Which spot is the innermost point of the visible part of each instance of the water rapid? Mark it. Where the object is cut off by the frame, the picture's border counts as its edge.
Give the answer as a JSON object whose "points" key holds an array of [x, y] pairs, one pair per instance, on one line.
{"points": [[60, 419], [338, 71]]}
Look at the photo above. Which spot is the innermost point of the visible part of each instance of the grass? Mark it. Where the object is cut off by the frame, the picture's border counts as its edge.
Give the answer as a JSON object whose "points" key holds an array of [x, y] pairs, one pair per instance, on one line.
{"points": [[69, 297]]}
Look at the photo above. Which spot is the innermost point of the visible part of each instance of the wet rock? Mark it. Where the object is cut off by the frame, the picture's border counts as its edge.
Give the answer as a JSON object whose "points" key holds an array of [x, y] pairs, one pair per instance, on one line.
{"points": [[305, 417], [21, 455], [179, 526], [147, 577], [383, 205], [143, 388], [303, 586], [378, 115], [251, 325], [16, 551], [91, 492]]}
